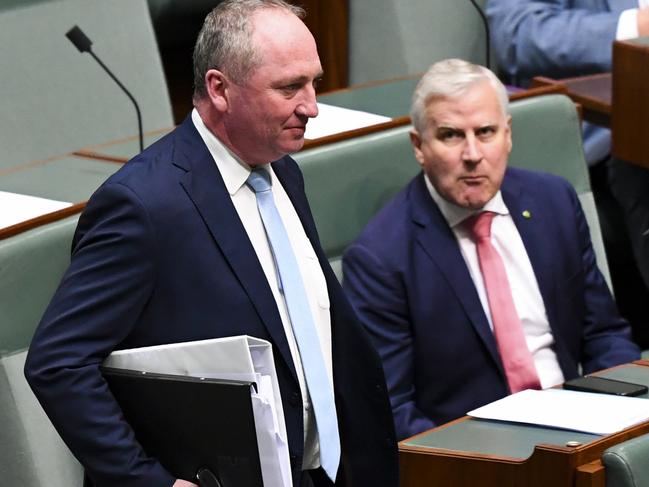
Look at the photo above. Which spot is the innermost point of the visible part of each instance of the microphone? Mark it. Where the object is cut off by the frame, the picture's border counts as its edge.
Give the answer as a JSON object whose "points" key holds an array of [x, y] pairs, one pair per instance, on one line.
{"points": [[81, 42], [486, 28]]}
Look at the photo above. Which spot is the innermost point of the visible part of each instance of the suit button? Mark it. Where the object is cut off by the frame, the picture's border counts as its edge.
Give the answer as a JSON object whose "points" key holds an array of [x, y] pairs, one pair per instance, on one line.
{"points": [[295, 399], [389, 443]]}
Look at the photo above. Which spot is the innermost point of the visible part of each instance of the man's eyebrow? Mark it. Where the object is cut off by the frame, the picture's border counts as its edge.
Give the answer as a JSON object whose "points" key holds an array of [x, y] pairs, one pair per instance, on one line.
{"points": [[303, 79]]}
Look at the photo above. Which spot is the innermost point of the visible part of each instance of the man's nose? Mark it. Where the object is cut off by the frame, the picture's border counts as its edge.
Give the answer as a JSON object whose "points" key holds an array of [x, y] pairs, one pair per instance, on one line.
{"points": [[308, 106], [471, 152]]}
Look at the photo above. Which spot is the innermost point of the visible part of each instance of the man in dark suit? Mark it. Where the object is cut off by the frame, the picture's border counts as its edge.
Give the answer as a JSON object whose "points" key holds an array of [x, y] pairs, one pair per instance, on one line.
{"points": [[460, 317], [173, 248]]}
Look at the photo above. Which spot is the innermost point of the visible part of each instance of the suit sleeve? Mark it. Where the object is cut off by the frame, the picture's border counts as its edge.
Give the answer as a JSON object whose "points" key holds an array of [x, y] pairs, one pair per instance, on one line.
{"points": [[379, 298], [96, 306], [549, 38], [606, 336]]}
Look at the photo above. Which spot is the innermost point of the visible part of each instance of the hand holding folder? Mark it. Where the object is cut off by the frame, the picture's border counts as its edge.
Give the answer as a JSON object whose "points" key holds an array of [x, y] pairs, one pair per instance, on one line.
{"points": [[199, 388]]}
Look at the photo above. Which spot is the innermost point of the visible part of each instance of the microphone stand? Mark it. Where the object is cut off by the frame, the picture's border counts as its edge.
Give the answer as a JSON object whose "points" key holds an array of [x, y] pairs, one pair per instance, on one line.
{"points": [[83, 44]]}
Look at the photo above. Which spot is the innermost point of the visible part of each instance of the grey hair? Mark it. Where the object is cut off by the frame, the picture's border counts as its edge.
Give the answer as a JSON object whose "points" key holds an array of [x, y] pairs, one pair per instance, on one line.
{"points": [[451, 78], [225, 40]]}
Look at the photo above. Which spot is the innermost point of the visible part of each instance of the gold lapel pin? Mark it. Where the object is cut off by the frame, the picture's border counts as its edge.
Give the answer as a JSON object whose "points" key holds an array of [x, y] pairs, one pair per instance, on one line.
{"points": [[526, 214]]}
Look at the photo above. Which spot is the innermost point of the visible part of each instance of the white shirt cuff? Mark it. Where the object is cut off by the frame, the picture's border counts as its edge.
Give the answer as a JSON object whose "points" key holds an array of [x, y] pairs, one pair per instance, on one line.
{"points": [[627, 25]]}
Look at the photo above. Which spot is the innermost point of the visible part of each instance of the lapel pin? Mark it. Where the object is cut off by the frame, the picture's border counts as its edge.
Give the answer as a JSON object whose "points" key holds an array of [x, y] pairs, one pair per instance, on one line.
{"points": [[526, 214]]}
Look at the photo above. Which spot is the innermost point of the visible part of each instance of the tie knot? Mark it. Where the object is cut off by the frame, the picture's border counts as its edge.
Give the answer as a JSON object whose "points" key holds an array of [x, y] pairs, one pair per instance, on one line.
{"points": [[480, 225], [259, 180]]}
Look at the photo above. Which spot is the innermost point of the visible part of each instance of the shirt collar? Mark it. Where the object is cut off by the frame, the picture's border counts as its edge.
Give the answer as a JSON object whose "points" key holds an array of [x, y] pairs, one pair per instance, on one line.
{"points": [[233, 170], [455, 214]]}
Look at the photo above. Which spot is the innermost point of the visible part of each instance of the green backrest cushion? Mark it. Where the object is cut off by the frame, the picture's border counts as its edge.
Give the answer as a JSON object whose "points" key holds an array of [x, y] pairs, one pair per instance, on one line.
{"points": [[627, 463], [391, 98], [392, 38], [546, 136], [55, 99], [31, 266], [348, 182]]}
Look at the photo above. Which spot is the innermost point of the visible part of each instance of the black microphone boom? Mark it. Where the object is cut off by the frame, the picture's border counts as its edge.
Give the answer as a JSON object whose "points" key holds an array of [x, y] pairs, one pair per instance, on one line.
{"points": [[486, 28], [81, 42]]}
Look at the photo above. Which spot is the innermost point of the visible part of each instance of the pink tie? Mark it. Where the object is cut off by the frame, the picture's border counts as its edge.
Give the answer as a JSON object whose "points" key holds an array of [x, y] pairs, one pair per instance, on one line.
{"points": [[516, 357]]}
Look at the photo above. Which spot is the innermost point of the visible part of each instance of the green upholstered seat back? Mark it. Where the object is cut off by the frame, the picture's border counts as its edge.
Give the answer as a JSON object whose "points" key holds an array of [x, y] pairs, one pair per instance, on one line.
{"points": [[31, 266], [546, 136], [627, 463], [348, 182], [392, 38], [391, 98], [57, 100]]}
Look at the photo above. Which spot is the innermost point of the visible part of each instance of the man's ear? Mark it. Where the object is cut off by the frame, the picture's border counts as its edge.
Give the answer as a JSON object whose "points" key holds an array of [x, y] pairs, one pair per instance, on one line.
{"points": [[217, 86], [509, 134], [415, 140]]}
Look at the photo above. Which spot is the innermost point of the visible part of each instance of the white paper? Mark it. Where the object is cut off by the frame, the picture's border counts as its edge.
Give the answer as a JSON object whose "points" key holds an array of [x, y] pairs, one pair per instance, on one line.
{"points": [[333, 120], [16, 208], [588, 412], [238, 358]]}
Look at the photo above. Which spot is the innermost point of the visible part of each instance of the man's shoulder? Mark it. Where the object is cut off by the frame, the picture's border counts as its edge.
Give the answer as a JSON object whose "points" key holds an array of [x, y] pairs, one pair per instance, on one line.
{"points": [[158, 162], [393, 221], [535, 180]]}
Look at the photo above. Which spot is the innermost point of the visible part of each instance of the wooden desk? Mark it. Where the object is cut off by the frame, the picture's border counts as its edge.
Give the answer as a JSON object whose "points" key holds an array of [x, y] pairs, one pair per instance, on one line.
{"points": [[617, 100], [593, 93], [471, 452]]}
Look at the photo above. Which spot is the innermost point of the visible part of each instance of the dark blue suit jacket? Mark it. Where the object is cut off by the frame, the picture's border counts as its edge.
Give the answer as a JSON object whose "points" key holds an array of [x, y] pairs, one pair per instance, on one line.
{"points": [[407, 279], [160, 256]]}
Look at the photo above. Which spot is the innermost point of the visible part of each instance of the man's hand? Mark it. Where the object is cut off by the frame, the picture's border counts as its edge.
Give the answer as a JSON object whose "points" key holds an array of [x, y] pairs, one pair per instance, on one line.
{"points": [[643, 21], [183, 483]]}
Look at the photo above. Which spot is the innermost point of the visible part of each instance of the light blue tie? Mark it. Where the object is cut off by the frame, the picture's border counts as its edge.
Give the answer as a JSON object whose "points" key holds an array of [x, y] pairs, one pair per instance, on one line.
{"points": [[304, 330]]}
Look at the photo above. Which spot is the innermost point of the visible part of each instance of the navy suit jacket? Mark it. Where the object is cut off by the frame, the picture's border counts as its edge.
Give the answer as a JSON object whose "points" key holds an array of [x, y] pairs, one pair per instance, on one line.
{"points": [[412, 289], [161, 256]]}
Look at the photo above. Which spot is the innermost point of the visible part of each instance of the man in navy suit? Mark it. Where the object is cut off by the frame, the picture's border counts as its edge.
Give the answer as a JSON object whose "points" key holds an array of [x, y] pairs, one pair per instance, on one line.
{"points": [[172, 248], [416, 278]]}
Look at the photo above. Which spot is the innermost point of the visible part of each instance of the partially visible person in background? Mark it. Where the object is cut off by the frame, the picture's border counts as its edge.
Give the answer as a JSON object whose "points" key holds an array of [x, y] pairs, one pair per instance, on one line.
{"points": [[567, 38]]}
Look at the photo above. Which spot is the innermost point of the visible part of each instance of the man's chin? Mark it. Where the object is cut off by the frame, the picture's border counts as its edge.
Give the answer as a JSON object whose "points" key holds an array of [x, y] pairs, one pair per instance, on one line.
{"points": [[292, 146]]}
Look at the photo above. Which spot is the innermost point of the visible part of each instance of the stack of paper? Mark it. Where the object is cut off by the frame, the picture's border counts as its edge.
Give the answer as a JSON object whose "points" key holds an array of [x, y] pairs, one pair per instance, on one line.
{"points": [[601, 414], [333, 120], [16, 208]]}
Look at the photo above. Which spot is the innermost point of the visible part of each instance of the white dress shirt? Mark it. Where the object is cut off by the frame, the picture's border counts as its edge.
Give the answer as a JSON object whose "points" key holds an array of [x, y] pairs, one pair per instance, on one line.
{"points": [[627, 24], [525, 289], [235, 173]]}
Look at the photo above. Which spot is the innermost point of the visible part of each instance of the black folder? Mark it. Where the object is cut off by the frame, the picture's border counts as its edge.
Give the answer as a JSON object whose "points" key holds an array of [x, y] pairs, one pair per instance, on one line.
{"points": [[190, 423]]}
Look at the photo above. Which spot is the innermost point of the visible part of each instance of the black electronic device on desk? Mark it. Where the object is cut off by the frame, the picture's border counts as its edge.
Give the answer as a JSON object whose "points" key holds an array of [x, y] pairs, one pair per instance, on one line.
{"points": [[602, 385]]}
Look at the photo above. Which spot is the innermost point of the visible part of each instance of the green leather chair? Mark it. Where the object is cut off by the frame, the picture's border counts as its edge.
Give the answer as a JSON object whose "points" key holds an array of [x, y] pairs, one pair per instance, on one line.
{"points": [[627, 463], [392, 38], [391, 98], [31, 265]]}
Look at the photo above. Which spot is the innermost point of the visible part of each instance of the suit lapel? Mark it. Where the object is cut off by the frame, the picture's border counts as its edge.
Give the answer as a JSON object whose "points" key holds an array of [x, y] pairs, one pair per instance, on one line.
{"points": [[204, 185], [534, 229], [439, 243]]}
